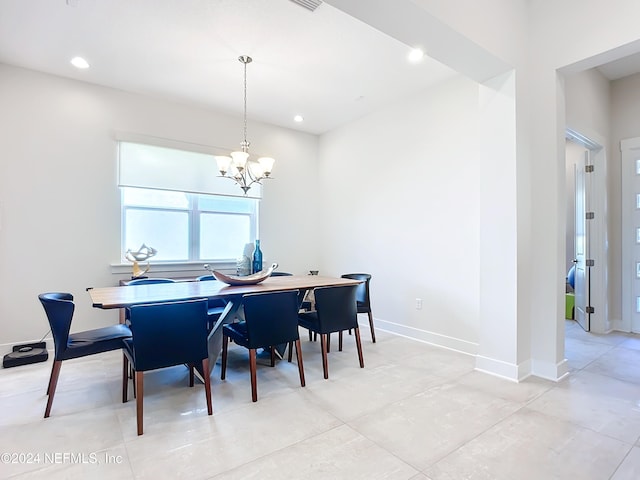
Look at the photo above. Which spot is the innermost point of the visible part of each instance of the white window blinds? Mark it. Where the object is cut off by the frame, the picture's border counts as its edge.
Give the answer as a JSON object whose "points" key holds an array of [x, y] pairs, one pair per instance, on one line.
{"points": [[150, 166]]}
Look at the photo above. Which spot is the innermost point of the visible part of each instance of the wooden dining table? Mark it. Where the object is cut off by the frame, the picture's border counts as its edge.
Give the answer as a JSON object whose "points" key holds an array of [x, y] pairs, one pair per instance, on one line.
{"points": [[127, 295]]}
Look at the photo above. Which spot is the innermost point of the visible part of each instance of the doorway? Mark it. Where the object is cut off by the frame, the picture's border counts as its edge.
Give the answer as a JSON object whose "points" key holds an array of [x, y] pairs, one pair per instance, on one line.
{"points": [[586, 230]]}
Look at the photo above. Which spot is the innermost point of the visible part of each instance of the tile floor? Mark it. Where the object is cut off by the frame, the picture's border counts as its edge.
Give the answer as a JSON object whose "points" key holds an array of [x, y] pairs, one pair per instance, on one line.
{"points": [[414, 412]]}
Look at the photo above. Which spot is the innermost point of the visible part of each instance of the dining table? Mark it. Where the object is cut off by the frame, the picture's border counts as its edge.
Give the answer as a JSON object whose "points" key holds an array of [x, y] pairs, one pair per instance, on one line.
{"points": [[124, 296]]}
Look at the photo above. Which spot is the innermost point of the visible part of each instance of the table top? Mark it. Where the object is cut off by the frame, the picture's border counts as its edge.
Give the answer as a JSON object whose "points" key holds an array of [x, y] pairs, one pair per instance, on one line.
{"points": [[125, 296]]}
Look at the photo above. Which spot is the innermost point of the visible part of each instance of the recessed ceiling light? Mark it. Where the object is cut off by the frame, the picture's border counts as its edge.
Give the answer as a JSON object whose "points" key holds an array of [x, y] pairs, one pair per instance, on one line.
{"points": [[415, 55], [79, 62], [298, 118]]}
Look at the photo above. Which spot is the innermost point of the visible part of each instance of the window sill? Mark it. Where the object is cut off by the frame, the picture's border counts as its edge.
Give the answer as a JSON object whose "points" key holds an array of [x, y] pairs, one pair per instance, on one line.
{"points": [[196, 268]]}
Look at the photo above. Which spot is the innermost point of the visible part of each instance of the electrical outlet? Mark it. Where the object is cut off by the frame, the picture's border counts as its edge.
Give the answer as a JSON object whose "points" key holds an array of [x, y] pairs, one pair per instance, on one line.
{"points": [[418, 304]]}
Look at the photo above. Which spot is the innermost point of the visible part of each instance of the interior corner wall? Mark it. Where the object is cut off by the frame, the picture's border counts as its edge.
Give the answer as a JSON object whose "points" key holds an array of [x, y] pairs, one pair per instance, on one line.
{"points": [[400, 200], [498, 338], [60, 207]]}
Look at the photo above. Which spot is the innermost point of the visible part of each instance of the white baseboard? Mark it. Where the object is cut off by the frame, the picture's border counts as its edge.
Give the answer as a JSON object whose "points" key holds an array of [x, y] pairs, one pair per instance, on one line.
{"points": [[432, 338], [491, 366]]}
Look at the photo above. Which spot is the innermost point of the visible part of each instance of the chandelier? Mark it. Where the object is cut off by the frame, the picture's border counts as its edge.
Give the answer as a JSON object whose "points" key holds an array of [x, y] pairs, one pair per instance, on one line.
{"points": [[237, 167]]}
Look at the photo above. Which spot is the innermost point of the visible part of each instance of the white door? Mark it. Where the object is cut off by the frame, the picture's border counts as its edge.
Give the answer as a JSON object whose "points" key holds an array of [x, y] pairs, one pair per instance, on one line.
{"points": [[582, 260], [630, 167]]}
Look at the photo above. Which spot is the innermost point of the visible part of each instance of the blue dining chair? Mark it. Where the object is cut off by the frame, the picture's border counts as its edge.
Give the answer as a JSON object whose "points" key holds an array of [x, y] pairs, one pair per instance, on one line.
{"points": [[215, 305], [336, 310], [59, 308], [149, 281], [145, 281], [270, 319], [304, 305], [164, 335], [363, 299]]}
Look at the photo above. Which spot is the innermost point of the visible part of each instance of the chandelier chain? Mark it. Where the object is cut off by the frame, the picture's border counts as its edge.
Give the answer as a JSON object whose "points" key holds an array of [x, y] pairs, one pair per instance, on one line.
{"points": [[245, 145]]}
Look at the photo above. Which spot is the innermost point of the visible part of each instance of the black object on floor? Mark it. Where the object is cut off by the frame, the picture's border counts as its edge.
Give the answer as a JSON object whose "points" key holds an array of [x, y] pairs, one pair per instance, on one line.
{"points": [[26, 354]]}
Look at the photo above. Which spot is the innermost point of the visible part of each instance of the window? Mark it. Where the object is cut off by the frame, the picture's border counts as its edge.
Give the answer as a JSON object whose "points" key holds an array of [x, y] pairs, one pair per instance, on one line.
{"points": [[174, 200], [187, 227]]}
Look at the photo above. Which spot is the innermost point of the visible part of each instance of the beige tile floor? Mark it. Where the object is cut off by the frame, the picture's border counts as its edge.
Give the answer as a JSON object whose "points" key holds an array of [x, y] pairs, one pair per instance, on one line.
{"points": [[413, 412]]}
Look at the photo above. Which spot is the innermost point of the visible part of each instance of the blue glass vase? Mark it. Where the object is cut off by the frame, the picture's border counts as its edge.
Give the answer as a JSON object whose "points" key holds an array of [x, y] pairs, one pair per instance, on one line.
{"points": [[257, 258]]}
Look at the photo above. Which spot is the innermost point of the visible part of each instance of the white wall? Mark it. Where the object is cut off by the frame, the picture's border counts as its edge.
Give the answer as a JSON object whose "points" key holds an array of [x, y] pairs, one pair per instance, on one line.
{"points": [[401, 201], [60, 207], [588, 100]]}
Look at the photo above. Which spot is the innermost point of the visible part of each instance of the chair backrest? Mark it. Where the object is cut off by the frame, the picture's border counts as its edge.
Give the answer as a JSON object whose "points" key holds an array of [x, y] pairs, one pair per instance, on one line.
{"points": [[336, 308], [272, 318], [166, 334], [213, 302], [280, 274], [59, 308], [204, 278], [362, 291], [148, 281]]}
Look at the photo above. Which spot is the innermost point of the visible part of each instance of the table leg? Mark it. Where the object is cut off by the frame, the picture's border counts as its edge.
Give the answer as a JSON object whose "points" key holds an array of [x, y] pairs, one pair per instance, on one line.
{"points": [[231, 313]]}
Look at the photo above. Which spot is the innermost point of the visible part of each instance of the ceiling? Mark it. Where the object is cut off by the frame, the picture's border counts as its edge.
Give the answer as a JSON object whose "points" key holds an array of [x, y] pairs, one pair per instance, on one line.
{"points": [[622, 67], [324, 65]]}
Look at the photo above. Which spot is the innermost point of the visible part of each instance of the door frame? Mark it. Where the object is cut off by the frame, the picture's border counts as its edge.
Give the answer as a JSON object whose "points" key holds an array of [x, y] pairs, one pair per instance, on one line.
{"points": [[598, 239], [630, 270]]}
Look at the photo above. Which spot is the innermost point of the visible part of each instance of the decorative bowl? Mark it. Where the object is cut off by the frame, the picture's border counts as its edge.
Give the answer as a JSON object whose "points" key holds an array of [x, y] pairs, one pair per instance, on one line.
{"points": [[246, 280]]}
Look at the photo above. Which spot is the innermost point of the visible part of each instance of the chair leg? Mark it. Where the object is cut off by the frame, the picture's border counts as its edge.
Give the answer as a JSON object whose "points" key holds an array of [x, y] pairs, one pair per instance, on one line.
{"points": [[328, 342], [299, 358], [139, 382], [125, 378], [207, 385], [252, 369], [323, 347], [191, 375], [340, 341], [223, 367], [53, 365], [291, 351], [53, 383], [373, 332], [273, 355], [359, 346], [310, 336]]}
